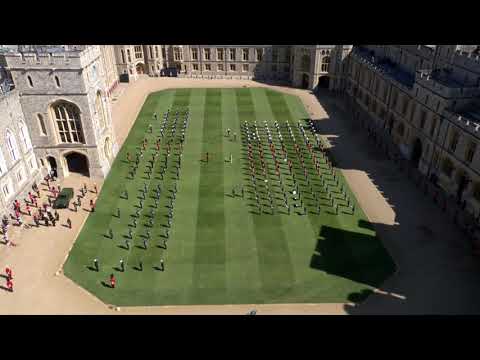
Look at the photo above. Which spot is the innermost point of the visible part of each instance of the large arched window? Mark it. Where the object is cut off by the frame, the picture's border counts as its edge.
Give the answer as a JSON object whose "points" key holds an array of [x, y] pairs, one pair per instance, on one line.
{"points": [[12, 145], [25, 137], [325, 63], [306, 63], [67, 118], [3, 164], [100, 110]]}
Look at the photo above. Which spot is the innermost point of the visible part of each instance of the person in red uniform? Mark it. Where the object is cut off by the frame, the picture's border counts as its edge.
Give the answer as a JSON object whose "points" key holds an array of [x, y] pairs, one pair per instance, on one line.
{"points": [[8, 271], [112, 281], [10, 285]]}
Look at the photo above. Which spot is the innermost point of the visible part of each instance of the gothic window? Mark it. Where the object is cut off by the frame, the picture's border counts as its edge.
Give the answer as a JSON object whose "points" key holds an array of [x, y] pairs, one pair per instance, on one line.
{"points": [[138, 52], [69, 126], [325, 63], [30, 82], [57, 81], [12, 145]]}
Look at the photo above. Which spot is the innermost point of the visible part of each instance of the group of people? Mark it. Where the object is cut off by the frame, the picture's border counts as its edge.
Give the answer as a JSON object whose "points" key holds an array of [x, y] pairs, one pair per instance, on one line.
{"points": [[172, 140], [253, 135]]}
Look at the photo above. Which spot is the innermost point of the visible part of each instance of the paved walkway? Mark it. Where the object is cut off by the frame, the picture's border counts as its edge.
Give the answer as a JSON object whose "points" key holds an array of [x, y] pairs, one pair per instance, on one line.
{"points": [[436, 273]]}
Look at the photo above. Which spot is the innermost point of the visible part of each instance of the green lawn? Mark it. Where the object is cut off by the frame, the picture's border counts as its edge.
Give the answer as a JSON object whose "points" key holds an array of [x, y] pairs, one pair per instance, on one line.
{"points": [[220, 250]]}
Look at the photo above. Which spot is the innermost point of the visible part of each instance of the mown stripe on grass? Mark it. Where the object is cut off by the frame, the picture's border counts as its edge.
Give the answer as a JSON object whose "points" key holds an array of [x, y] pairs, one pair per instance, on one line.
{"points": [[243, 279], [209, 277], [273, 255]]}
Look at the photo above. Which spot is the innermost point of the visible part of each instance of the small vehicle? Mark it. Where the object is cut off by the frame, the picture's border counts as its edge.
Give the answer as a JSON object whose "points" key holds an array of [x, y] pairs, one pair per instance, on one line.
{"points": [[63, 199]]}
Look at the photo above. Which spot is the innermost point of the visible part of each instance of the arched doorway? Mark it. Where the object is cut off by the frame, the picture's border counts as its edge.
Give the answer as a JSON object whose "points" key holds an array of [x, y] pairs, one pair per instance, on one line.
{"points": [[77, 163], [323, 82], [416, 152], [53, 165], [305, 81], [140, 68]]}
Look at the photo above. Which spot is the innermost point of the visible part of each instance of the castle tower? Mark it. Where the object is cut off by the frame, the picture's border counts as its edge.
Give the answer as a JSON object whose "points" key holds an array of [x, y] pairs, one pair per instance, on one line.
{"points": [[63, 94], [338, 67]]}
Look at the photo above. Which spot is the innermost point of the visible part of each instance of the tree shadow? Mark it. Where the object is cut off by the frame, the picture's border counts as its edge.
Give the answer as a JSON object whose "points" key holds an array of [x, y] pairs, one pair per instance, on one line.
{"points": [[91, 268]]}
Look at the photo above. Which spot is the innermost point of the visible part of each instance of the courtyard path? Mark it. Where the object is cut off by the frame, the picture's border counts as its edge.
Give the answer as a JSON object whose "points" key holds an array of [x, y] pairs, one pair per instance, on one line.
{"points": [[436, 272]]}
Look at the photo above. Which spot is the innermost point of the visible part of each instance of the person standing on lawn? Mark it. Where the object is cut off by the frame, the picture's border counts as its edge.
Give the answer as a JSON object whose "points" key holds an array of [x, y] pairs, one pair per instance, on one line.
{"points": [[112, 281]]}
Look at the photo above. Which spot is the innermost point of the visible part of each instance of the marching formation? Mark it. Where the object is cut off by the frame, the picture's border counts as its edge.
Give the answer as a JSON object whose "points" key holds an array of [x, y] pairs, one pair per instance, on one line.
{"points": [[279, 164], [156, 165]]}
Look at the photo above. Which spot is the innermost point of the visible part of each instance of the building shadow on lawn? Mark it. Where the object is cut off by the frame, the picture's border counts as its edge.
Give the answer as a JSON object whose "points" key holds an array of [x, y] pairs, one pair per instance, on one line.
{"points": [[354, 256], [437, 272]]}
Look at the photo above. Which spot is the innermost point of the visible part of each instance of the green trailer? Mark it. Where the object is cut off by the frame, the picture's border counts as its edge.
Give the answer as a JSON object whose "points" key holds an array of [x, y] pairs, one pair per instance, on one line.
{"points": [[63, 199]]}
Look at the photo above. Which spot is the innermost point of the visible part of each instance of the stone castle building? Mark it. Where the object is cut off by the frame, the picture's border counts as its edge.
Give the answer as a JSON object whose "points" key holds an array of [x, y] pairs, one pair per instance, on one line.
{"points": [[425, 98], [63, 95]]}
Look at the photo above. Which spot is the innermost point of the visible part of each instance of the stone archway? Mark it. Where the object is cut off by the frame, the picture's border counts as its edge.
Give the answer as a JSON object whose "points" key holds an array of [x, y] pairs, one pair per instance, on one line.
{"points": [[140, 68], [52, 163], [77, 163], [416, 152], [323, 82]]}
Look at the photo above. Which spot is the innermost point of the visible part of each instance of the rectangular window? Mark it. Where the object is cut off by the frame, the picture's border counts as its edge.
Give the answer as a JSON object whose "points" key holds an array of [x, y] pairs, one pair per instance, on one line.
{"points": [[177, 54], [470, 152], [220, 67], [233, 67], [151, 51], [195, 67], [423, 119], [245, 67], [245, 54], [194, 54], [208, 67], [220, 54], [123, 56], [129, 58], [164, 53], [454, 142], [156, 51], [432, 128], [206, 54], [259, 54], [138, 52], [6, 190], [232, 54]]}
